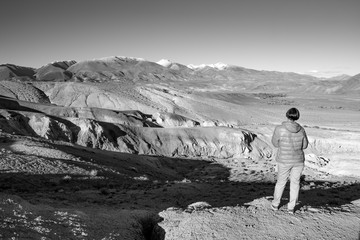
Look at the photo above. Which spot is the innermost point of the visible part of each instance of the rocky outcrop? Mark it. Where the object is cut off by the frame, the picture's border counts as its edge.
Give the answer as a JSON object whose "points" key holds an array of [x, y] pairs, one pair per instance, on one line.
{"points": [[15, 123], [327, 154], [37, 124], [194, 142], [98, 135], [173, 120], [51, 128], [217, 142]]}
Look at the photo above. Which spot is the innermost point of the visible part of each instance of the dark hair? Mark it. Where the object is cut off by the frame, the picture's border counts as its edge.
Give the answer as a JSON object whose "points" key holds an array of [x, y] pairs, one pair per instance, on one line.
{"points": [[293, 114]]}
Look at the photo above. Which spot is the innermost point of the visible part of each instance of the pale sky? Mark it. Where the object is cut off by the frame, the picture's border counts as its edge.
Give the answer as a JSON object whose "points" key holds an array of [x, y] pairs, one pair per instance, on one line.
{"points": [[282, 35]]}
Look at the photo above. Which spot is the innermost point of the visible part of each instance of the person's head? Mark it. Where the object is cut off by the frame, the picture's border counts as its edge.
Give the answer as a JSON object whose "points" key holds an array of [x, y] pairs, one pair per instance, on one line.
{"points": [[293, 114]]}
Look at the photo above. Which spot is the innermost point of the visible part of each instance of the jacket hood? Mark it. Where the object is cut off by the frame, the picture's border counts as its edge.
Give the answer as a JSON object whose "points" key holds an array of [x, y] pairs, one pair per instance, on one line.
{"points": [[293, 127]]}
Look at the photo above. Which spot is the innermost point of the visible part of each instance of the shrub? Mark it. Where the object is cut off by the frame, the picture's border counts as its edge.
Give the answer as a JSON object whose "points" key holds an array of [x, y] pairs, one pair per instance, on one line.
{"points": [[93, 173]]}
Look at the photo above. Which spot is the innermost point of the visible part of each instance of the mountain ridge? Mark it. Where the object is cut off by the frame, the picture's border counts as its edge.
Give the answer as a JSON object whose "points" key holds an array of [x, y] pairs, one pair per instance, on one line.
{"points": [[130, 70]]}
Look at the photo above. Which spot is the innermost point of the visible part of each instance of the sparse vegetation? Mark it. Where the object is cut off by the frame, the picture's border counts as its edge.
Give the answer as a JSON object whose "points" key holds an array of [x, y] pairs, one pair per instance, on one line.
{"points": [[270, 95]]}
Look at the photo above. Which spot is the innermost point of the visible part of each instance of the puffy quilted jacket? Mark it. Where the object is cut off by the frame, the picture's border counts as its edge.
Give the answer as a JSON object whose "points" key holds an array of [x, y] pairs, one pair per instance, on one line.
{"points": [[291, 139]]}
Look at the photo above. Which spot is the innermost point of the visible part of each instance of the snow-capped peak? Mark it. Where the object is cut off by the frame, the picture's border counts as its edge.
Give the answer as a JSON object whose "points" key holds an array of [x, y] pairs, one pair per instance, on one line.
{"points": [[112, 58], [65, 61], [219, 66], [164, 62]]}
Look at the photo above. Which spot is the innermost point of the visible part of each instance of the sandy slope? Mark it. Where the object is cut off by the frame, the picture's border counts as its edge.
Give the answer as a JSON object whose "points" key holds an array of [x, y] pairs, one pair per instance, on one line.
{"points": [[22, 91]]}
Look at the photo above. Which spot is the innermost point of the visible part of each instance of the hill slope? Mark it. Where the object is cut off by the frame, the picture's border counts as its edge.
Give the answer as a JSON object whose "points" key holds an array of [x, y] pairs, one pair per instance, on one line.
{"points": [[56, 71], [352, 85], [11, 71], [22, 91]]}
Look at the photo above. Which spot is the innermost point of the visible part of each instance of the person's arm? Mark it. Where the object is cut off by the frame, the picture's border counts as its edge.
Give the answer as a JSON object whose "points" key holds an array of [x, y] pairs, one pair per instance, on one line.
{"points": [[305, 141], [275, 138]]}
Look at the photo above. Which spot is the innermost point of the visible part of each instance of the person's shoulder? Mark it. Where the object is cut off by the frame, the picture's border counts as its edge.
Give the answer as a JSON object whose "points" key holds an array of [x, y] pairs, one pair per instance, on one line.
{"points": [[302, 129]]}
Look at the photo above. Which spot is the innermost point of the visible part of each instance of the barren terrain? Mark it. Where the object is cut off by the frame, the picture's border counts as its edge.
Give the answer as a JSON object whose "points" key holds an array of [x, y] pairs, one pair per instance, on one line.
{"points": [[123, 148]]}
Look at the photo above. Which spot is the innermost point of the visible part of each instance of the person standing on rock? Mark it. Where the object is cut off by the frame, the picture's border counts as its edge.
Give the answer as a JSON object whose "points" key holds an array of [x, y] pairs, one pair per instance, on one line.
{"points": [[290, 139]]}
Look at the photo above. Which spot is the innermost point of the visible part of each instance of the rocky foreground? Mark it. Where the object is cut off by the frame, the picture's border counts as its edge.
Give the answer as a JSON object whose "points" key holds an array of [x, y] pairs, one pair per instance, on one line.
{"points": [[51, 190], [257, 221]]}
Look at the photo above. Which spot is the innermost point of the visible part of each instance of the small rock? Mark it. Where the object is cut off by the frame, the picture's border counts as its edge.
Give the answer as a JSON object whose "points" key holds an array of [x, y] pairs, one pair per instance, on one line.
{"points": [[311, 209], [185, 180], [356, 202], [199, 206], [172, 209]]}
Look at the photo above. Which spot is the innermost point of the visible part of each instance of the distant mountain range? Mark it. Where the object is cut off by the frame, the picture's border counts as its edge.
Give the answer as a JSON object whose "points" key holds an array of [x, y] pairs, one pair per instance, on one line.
{"points": [[211, 77]]}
